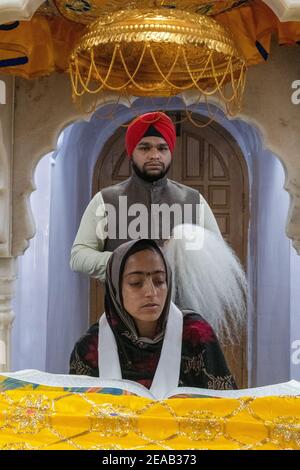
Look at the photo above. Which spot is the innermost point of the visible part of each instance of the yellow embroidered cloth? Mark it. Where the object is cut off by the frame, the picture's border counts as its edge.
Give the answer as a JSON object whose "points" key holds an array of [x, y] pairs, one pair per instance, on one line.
{"points": [[51, 418], [48, 41]]}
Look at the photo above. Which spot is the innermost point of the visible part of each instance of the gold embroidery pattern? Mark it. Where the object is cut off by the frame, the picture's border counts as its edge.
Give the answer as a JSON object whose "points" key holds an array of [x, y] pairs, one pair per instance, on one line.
{"points": [[193, 364], [286, 432], [78, 367], [30, 415], [219, 383], [53, 419], [196, 364], [109, 420], [17, 446], [201, 426], [108, 447]]}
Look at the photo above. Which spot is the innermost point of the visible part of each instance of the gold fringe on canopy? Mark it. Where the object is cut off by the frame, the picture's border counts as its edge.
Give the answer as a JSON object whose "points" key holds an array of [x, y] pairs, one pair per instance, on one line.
{"points": [[48, 41], [158, 53]]}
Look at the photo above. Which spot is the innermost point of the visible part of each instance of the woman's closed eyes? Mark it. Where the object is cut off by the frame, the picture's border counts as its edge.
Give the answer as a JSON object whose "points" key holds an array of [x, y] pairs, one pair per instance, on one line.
{"points": [[157, 281]]}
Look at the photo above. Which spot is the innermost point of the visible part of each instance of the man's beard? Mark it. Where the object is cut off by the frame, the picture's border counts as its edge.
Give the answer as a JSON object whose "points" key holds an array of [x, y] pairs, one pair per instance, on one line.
{"points": [[150, 178]]}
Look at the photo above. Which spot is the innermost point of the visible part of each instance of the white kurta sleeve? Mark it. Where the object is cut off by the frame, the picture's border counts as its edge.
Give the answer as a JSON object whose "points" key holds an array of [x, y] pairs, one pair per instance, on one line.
{"points": [[207, 218], [87, 255]]}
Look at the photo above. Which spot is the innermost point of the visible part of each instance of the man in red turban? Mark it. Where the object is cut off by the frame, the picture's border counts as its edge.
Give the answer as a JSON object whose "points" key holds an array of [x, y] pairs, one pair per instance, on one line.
{"points": [[150, 142], [157, 124], [131, 209]]}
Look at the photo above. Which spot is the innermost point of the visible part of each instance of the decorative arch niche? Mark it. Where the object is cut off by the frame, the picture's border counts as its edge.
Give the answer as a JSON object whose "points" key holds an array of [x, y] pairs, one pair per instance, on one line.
{"points": [[44, 108], [91, 137]]}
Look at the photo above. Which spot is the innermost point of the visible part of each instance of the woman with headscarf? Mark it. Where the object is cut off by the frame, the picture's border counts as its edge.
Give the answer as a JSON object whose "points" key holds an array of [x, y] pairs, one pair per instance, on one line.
{"points": [[143, 336]]}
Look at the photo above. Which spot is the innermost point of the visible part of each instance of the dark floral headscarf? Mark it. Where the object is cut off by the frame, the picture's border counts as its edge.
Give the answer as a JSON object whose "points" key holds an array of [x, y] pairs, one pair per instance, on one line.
{"points": [[119, 319], [133, 349]]}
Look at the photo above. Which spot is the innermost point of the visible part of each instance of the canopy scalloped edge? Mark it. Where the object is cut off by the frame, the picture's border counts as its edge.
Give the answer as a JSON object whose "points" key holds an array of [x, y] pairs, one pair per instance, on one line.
{"points": [[13, 10]]}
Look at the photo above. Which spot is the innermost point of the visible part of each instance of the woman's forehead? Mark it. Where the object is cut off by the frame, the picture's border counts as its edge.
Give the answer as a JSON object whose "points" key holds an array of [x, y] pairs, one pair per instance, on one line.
{"points": [[145, 261], [144, 273]]}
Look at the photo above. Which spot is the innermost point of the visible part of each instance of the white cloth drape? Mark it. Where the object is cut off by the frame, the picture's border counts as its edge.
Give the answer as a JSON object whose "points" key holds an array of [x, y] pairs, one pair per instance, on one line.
{"points": [[167, 373]]}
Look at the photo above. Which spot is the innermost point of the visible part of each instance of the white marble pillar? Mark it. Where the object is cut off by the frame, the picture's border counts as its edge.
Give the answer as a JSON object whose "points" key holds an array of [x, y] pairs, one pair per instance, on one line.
{"points": [[8, 273], [8, 263]]}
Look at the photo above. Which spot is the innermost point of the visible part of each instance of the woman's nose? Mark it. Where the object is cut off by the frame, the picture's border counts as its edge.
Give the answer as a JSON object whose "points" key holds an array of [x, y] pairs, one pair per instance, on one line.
{"points": [[150, 287]]}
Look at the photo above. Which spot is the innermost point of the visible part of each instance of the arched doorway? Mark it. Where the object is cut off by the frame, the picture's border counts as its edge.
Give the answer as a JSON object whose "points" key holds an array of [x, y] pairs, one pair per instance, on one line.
{"points": [[273, 293], [209, 160]]}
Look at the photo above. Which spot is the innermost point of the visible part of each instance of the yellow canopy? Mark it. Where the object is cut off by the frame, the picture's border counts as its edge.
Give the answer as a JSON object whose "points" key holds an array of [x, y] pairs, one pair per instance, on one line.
{"points": [[48, 41]]}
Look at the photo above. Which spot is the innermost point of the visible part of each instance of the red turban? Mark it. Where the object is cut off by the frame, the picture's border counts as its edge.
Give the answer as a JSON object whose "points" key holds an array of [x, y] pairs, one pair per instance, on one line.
{"points": [[138, 128]]}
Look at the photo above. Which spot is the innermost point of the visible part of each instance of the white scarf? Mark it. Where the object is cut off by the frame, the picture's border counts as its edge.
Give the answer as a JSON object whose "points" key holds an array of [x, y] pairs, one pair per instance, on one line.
{"points": [[166, 377]]}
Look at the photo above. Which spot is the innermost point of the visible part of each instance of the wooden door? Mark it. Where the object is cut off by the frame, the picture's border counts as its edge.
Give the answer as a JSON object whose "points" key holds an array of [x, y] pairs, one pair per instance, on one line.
{"points": [[209, 160]]}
